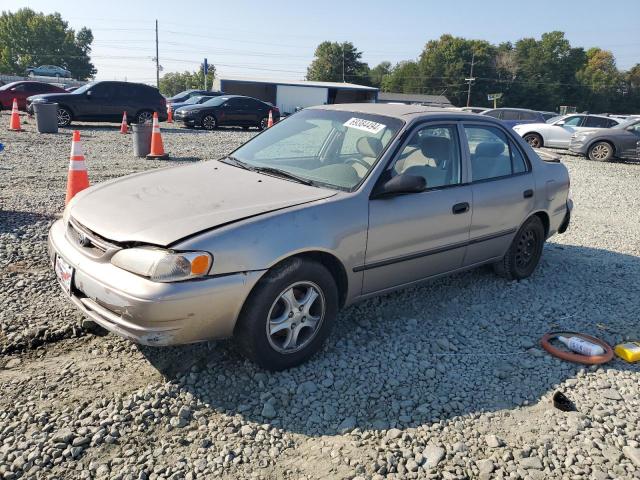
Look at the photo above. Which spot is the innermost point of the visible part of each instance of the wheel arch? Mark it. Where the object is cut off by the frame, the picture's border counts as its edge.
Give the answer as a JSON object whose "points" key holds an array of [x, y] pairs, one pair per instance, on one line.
{"points": [[328, 260], [544, 218]]}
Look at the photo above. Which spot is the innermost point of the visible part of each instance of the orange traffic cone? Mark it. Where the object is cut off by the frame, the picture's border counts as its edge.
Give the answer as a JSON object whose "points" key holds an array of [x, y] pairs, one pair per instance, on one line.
{"points": [[270, 121], [124, 128], [169, 113], [14, 125], [77, 179], [157, 148]]}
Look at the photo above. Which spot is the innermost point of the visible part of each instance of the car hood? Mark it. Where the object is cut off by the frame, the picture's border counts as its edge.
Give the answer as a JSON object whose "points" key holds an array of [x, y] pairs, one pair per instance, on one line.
{"points": [[165, 205], [532, 124], [50, 97]]}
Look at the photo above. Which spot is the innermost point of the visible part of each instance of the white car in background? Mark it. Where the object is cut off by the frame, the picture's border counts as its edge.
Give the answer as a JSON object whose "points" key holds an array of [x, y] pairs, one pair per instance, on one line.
{"points": [[557, 131]]}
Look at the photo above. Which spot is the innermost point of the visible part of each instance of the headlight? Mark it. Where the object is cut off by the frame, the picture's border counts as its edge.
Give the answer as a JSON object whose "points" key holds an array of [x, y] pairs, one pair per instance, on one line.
{"points": [[163, 265]]}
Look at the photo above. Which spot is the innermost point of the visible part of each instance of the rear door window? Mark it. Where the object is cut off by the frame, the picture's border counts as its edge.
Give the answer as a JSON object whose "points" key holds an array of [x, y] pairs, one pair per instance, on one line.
{"points": [[494, 113], [597, 122], [510, 115], [493, 154]]}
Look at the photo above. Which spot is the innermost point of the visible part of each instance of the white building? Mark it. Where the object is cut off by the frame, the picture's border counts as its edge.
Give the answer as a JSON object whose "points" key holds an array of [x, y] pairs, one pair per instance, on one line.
{"points": [[289, 95]]}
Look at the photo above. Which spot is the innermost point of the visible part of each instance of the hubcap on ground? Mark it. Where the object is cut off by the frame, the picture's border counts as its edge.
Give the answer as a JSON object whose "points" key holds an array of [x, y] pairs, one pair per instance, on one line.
{"points": [[600, 152], [526, 249], [295, 317]]}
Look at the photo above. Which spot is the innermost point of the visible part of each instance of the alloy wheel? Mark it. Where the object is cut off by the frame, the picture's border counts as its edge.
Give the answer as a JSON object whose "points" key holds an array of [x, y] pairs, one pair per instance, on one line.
{"points": [[144, 117], [533, 141], [295, 317], [64, 117], [600, 151], [264, 123], [209, 122]]}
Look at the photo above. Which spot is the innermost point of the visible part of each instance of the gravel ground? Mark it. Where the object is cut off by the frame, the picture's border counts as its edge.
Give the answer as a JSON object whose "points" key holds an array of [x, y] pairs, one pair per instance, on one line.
{"points": [[445, 380]]}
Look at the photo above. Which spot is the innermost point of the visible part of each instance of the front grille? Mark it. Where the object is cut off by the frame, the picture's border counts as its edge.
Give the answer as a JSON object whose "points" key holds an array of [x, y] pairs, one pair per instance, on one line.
{"points": [[87, 241]]}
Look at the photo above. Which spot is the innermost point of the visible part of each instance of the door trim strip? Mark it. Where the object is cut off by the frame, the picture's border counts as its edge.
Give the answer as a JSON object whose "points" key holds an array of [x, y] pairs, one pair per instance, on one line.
{"points": [[433, 251]]}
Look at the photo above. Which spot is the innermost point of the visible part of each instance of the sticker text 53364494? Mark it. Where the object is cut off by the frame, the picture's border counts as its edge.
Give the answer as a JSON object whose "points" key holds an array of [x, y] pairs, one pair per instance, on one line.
{"points": [[363, 124]]}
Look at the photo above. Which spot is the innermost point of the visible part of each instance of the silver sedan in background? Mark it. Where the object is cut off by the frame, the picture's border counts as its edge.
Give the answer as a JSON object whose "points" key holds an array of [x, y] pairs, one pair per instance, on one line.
{"points": [[333, 205]]}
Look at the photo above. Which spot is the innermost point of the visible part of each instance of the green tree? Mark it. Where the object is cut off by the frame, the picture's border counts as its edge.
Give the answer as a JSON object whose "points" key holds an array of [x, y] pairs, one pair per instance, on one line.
{"points": [[327, 65], [546, 73], [378, 74], [601, 80], [404, 78], [446, 62], [28, 39], [176, 82]]}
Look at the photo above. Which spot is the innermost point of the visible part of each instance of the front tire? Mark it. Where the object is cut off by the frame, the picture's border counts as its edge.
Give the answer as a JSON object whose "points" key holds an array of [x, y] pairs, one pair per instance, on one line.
{"points": [[262, 125], [64, 117], [534, 140], [601, 152], [525, 251], [209, 122], [288, 316]]}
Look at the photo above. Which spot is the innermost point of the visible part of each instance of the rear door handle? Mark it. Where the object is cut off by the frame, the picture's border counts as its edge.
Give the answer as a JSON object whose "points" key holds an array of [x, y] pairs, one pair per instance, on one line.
{"points": [[460, 208], [527, 193]]}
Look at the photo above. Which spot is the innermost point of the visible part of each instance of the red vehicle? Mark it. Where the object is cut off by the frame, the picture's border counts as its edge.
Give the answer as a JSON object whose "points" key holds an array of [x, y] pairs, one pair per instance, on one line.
{"points": [[22, 90]]}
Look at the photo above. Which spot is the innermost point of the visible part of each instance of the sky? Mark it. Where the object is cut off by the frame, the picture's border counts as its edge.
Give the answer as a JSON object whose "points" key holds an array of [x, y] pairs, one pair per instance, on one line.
{"points": [[276, 39]]}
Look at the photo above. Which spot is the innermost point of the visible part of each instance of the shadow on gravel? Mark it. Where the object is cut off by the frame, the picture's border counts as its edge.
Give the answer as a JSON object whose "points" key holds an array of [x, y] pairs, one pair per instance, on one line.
{"points": [[456, 346], [12, 220]]}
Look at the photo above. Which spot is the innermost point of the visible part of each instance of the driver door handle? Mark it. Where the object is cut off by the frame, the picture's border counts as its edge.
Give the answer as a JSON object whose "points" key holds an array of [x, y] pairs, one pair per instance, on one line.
{"points": [[459, 208]]}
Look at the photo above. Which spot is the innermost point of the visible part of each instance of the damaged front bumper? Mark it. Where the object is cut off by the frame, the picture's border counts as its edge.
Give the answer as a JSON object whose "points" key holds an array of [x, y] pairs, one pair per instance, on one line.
{"points": [[147, 312]]}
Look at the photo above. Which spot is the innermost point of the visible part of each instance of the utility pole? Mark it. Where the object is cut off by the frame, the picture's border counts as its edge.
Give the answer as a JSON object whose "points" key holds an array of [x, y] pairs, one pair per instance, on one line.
{"points": [[343, 43], [471, 79], [157, 59]]}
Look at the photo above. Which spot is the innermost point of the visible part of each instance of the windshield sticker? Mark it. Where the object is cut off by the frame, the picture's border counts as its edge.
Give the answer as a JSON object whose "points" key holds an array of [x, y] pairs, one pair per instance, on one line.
{"points": [[366, 125]]}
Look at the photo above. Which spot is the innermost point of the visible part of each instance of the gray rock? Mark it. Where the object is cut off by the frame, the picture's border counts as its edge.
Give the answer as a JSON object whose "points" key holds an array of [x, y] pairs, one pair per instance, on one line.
{"points": [[434, 455], [493, 441], [268, 411], [394, 433], [533, 463], [485, 466], [632, 454]]}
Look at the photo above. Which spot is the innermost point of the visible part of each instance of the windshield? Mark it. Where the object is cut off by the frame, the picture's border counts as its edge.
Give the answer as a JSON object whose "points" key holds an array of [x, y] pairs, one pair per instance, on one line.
{"points": [[192, 100], [83, 88], [215, 101], [8, 85], [331, 148]]}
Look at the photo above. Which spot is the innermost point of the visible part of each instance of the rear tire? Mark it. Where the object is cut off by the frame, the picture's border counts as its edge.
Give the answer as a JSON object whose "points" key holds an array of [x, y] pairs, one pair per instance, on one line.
{"points": [[525, 251], [64, 117], [262, 124], [601, 152], [534, 140], [144, 116], [288, 316]]}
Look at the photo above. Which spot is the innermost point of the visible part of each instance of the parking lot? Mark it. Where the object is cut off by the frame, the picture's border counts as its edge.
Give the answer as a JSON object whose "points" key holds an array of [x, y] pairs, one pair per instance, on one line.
{"points": [[444, 380]]}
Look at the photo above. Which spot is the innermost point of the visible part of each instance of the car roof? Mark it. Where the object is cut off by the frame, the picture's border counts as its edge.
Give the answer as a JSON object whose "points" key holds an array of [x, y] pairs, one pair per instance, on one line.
{"points": [[516, 109], [400, 111]]}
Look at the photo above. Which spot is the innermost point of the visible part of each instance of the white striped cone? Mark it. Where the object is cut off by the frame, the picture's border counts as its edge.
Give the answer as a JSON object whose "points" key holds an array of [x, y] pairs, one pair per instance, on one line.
{"points": [[77, 179]]}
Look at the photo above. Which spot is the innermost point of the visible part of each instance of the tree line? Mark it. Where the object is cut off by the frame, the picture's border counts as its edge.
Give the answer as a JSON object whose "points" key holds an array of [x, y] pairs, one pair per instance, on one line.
{"points": [[540, 74]]}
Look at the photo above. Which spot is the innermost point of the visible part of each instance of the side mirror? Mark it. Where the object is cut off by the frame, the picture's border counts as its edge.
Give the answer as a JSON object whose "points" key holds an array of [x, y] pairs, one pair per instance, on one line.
{"points": [[88, 94], [13, 89], [400, 184], [560, 123]]}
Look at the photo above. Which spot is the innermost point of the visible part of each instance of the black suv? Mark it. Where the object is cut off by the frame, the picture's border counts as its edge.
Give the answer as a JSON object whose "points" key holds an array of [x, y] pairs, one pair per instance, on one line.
{"points": [[105, 102]]}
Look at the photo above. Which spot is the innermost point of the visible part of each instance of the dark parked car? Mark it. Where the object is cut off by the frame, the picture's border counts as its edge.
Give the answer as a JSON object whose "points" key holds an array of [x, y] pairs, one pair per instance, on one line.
{"points": [[515, 116], [196, 100], [23, 90], [105, 102], [183, 96], [49, 71], [228, 110], [621, 141]]}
